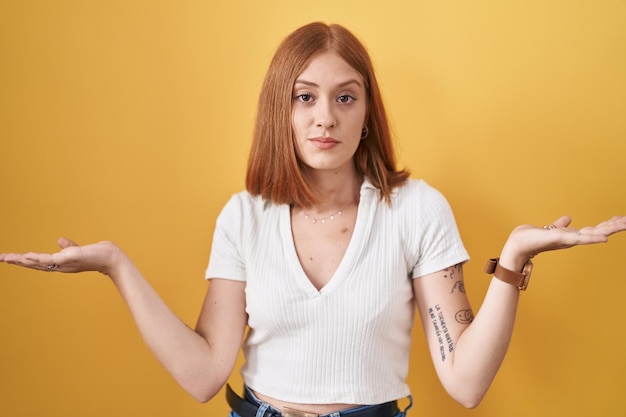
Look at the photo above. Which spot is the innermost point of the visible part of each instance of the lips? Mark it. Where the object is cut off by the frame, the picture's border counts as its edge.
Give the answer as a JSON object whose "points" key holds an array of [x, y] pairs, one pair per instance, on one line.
{"points": [[324, 142]]}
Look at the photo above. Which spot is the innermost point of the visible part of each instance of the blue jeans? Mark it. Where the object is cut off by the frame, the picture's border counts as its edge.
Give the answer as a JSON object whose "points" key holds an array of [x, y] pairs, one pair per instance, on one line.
{"points": [[263, 407], [400, 414]]}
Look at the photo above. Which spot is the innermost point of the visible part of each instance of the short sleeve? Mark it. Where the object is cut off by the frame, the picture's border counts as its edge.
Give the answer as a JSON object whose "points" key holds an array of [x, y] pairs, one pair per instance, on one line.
{"points": [[226, 260], [440, 244]]}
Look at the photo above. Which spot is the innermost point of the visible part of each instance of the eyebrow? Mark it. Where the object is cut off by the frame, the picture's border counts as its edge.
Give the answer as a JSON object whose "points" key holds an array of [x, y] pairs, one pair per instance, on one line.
{"points": [[340, 85]]}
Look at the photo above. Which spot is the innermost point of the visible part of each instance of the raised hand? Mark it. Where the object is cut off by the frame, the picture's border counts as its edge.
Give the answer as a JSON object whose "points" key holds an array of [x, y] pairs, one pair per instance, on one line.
{"points": [[526, 240], [99, 257]]}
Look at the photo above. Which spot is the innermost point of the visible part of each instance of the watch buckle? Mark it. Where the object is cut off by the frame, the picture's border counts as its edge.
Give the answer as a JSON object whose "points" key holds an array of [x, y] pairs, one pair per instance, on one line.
{"points": [[528, 268], [525, 283]]}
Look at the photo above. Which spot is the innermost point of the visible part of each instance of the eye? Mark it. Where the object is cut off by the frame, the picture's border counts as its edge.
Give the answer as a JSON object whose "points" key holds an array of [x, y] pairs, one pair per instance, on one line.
{"points": [[346, 99], [304, 97]]}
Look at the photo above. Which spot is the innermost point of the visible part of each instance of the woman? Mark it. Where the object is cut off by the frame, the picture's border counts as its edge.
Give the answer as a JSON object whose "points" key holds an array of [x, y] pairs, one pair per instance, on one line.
{"points": [[325, 256]]}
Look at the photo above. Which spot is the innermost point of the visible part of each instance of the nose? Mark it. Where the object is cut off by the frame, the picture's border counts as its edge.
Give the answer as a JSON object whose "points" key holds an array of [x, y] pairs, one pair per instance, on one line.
{"points": [[324, 114]]}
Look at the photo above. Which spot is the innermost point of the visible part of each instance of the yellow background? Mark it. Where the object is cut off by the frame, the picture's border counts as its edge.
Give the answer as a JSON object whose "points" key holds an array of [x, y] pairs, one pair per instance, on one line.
{"points": [[131, 121]]}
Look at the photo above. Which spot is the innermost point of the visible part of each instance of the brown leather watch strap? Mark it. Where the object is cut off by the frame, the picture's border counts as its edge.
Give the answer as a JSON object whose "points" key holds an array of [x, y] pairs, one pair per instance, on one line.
{"points": [[518, 279]]}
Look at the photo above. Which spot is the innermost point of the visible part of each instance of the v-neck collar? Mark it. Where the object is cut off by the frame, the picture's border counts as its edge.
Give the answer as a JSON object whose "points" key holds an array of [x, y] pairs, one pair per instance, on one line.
{"points": [[365, 213]]}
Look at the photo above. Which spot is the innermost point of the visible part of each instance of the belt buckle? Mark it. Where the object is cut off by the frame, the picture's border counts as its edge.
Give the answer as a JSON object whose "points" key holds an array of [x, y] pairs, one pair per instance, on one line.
{"points": [[290, 412]]}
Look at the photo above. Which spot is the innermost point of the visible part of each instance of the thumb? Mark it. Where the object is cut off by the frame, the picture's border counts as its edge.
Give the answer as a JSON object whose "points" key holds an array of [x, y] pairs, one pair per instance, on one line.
{"points": [[562, 221], [64, 242]]}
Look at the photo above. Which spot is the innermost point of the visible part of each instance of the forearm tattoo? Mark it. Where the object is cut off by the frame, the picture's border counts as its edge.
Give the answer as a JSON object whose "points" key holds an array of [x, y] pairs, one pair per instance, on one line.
{"points": [[444, 339], [446, 344], [451, 273], [464, 316], [458, 286]]}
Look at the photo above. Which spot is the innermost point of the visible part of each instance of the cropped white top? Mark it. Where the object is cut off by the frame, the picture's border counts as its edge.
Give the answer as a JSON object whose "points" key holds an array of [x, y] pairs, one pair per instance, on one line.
{"points": [[348, 342]]}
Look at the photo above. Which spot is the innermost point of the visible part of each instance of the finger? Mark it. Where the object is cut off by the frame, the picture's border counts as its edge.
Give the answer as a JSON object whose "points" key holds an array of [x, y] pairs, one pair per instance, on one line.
{"points": [[64, 242], [614, 225], [41, 261], [562, 221], [29, 260]]}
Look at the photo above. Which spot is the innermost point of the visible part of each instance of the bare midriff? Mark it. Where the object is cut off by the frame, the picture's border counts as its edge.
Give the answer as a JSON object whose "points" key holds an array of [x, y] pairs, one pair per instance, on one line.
{"points": [[320, 409]]}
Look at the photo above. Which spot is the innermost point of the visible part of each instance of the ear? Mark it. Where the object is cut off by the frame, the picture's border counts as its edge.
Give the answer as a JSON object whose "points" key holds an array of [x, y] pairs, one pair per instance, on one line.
{"points": [[364, 132]]}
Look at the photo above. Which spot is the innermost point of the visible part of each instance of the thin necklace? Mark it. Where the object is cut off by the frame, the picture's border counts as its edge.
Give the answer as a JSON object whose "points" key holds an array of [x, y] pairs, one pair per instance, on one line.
{"points": [[307, 216], [322, 219]]}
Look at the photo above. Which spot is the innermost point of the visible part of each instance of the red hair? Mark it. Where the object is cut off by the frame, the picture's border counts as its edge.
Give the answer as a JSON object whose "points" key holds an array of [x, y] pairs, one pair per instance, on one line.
{"points": [[274, 170]]}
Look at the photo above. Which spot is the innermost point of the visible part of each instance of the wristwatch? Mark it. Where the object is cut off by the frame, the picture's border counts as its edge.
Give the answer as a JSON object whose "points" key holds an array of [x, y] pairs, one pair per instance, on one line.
{"points": [[519, 279]]}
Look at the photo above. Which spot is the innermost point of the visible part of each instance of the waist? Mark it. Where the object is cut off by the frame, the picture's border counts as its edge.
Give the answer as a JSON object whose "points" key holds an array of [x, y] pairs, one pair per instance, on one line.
{"points": [[250, 405], [320, 409]]}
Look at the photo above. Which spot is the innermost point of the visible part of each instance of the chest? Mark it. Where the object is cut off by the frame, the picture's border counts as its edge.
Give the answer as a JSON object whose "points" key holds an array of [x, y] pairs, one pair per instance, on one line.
{"points": [[320, 247]]}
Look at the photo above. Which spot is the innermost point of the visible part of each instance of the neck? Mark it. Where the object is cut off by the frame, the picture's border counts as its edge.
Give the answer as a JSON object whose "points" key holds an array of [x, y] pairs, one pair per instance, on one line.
{"points": [[334, 191]]}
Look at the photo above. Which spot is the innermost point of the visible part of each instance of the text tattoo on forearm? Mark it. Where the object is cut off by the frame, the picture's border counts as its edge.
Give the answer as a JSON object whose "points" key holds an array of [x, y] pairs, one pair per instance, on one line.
{"points": [[446, 344]]}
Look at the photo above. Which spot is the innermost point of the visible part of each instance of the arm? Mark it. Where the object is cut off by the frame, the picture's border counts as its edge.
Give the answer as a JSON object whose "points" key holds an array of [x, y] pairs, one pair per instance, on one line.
{"points": [[467, 351], [201, 360]]}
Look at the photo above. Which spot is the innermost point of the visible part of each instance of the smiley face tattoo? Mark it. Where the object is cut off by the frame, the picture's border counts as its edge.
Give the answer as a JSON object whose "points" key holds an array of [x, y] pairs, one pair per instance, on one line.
{"points": [[464, 316]]}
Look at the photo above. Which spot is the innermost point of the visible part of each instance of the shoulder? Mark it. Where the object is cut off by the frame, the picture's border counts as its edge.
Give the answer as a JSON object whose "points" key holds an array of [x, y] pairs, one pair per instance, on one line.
{"points": [[246, 210], [244, 202], [418, 195]]}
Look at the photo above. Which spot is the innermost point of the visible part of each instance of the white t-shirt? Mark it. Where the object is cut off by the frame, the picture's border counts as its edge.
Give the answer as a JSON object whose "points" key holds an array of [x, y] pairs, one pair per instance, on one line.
{"points": [[348, 342]]}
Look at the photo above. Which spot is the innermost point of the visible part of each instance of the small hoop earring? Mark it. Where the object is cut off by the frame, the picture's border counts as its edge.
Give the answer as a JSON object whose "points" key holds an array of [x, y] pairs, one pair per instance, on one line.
{"points": [[364, 132]]}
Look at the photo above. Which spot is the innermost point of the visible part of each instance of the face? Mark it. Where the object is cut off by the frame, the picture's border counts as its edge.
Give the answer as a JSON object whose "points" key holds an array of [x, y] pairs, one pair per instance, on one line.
{"points": [[329, 106]]}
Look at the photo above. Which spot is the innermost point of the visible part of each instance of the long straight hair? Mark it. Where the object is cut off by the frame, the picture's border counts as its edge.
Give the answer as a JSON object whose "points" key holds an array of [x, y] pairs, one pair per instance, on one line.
{"points": [[274, 170]]}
